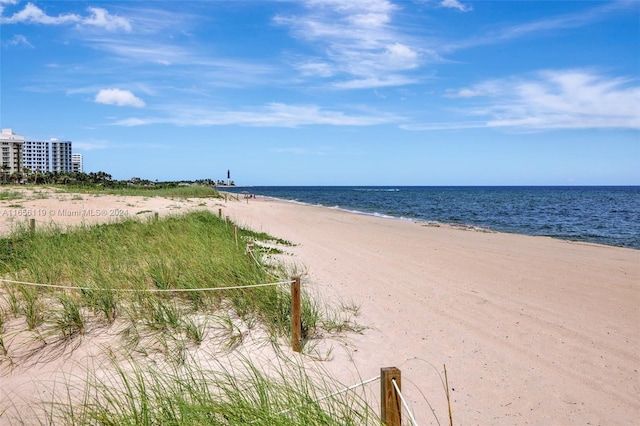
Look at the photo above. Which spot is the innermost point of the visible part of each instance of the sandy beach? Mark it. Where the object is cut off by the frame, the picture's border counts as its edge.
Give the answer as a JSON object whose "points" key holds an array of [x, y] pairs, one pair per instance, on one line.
{"points": [[532, 330]]}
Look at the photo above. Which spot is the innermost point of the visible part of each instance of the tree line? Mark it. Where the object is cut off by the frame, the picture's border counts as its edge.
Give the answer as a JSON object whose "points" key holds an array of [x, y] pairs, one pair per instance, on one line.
{"points": [[36, 177]]}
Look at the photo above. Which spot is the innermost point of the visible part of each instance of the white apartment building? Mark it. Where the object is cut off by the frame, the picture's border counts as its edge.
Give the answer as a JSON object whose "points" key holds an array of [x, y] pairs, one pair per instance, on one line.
{"points": [[11, 146], [47, 156], [43, 156], [61, 156], [76, 163], [36, 156]]}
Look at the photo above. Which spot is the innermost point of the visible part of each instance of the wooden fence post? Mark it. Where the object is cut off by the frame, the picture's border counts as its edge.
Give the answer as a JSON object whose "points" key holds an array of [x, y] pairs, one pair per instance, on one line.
{"points": [[250, 251], [296, 322], [220, 213], [155, 216], [235, 234], [227, 220], [32, 226], [390, 403]]}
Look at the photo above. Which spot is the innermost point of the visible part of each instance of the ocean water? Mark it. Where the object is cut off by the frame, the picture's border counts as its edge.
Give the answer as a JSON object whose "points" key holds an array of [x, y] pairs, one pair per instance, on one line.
{"points": [[604, 215]]}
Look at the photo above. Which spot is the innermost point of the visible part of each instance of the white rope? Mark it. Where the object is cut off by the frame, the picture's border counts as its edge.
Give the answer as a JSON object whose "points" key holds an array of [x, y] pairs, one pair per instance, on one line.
{"points": [[404, 403], [366, 382], [150, 290], [341, 391], [251, 252]]}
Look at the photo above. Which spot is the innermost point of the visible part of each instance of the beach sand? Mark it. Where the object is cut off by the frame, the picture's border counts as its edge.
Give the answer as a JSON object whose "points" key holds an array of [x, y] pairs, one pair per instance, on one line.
{"points": [[532, 330]]}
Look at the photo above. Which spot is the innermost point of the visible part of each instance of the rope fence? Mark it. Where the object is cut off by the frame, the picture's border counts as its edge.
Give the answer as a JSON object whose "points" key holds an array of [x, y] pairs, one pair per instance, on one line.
{"points": [[146, 290], [341, 391], [404, 403], [390, 394], [294, 282], [352, 387], [296, 311], [111, 214]]}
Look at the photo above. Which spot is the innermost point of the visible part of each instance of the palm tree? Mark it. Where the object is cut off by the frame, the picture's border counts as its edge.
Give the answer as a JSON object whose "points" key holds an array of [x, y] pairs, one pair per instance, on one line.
{"points": [[26, 174], [5, 172], [15, 177]]}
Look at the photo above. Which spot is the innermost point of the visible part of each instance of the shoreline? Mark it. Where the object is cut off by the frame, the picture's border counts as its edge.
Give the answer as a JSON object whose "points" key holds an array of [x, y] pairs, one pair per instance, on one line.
{"points": [[430, 223], [533, 330]]}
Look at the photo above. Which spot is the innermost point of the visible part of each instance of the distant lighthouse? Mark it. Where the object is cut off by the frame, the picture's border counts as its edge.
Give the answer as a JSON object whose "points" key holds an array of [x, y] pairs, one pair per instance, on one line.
{"points": [[228, 177]]}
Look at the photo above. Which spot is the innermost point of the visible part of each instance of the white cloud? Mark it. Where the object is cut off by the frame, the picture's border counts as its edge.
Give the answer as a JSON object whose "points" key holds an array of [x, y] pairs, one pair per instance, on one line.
{"points": [[187, 64], [373, 82], [486, 88], [464, 93], [359, 41], [571, 99], [132, 122], [445, 126], [542, 26], [315, 68], [33, 14], [17, 40], [455, 4], [103, 19], [3, 2], [143, 50], [271, 115], [356, 7], [554, 99], [98, 17], [118, 97], [402, 56]]}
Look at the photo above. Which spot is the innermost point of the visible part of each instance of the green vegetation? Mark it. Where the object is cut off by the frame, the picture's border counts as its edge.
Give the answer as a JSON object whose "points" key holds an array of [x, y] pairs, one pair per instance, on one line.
{"points": [[168, 191], [103, 183], [10, 195], [262, 236], [120, 277], [193, 251], [171, 394]]}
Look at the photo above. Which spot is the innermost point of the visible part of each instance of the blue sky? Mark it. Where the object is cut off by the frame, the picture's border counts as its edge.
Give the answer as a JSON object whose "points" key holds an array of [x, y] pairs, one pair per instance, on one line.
{"points": [[328, 92]]}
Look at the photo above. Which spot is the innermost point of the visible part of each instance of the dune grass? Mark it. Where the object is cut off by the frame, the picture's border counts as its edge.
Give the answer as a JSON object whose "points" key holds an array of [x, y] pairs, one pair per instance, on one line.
{"points": [[233, 393], [117, 277], [190, 191], [117, 264], [10, 195]]}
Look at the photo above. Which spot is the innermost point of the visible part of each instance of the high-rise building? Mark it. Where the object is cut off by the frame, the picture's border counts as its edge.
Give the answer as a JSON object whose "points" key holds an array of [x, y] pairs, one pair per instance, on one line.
{"points": [[76, 163], [61, 156], [47, 156], [11, 150], [36, 156], [43, 156]]}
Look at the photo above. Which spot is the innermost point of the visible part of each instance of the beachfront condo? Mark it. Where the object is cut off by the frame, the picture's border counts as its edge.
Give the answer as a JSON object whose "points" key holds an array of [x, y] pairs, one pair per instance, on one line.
{"points": [[12, 146]]}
